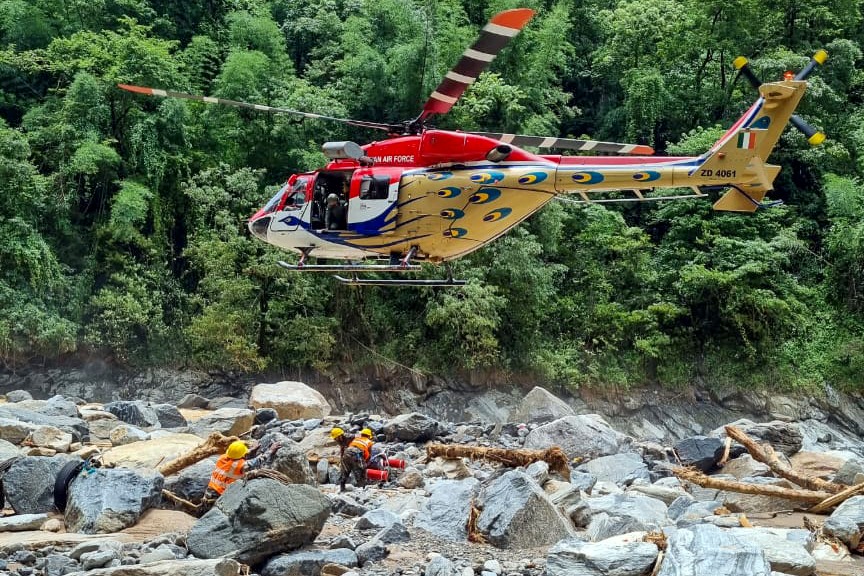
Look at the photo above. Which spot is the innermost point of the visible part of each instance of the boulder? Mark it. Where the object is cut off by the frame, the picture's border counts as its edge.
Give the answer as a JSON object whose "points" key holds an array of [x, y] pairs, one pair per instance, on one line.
{"points": [[308, 562], [540, 405], [701, 452], [376, 519], [847, 474], [371, 551], [585, 436], [439, 566], [445, 513], [290, 460], [75, 426], [51, 437], [22, 522], [135, 412], [227, 421], [55, 406], [847, 522], [111, 499], [29, 483], [291, 400], [151, 453], [169, 416], [452, 468], [100, 428], [193, 401], [255, 519], [517, 513], [784, 437], [785, 551], [622, 469], [410, 478], [638, 512], [15, 431], [710, 551], [123, 434], [347, 506], [192, 481], [668, 494], [18, 396], [7, 450], [318, 443], [745, 466], [413, 427], [575, 557]]}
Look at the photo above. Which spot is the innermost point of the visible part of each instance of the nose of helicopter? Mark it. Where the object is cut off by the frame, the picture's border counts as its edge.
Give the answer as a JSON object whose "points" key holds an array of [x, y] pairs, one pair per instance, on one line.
{"points": [[259, 224]]}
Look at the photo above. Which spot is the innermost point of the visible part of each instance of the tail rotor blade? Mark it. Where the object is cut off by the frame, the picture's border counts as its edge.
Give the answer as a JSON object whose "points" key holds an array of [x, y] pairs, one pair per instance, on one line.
{"points": [[818, 59], [569, 144], [493, 38], [814, 136], [258, 107], [743, 66]]}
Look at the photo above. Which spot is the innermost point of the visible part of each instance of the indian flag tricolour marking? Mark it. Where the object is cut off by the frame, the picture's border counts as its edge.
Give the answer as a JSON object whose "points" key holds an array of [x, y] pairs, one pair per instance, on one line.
{"points": [[747, 140]]}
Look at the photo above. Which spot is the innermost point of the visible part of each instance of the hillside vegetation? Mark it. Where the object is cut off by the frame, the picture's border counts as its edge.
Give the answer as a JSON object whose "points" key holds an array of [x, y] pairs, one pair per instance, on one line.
{"points": [[122, 217]]}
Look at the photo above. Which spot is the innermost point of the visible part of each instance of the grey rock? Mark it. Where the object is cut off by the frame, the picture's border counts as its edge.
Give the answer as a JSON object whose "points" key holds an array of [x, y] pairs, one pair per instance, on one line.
{"points": [[751, 503], [290, 460], [343, 542], [322, 469], [708, 550], [745, 466], [784, 437], [15, 431], [700, 452], [191, 482], [58, 564], [98, 559], [135, 412], [18, 396], [586, 435], [410, 478], [193, 401], [228, 421], [786, 555], [446, 511], [253, 520], [123, 434], [394, 533], [539, 471], [695, 512], [679, 505], [492, 566], [847, 522], [342, 504], [29, 483], [584, 481], [667, 494], [540, 405], [622, 469], [308, 562], [641, 512], [439, 566], [517, 513], [604, 526], [22, 522], [83, 548], [376, 519], [169, 416], [574, 557], [157, 555], [413, 427], [371, 551], [7, 449], [848, 473], [111, 499], [75, 426]]}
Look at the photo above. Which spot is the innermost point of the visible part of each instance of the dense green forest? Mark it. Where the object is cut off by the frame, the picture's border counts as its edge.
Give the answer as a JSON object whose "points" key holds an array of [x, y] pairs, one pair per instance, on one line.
{"points": [[122, 218]]}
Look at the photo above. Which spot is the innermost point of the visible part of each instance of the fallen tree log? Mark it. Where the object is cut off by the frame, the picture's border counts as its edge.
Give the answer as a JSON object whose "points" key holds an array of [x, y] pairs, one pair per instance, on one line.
{"points": [[838, 498], [554, 457], [216, 443], [799, 495], [767, 456], [182, 501]]}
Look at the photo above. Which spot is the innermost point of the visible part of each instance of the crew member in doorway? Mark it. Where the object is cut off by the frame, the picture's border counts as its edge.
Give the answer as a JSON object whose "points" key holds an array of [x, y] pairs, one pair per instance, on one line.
{"points": [[334, 218]]}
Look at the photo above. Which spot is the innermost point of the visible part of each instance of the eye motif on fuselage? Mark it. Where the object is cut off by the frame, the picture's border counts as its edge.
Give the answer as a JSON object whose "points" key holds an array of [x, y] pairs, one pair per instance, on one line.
{"points": [[449, 192], [455, 232], [485, 195], [587, 177], [496, 215], [490, 177], [440, 176], [646, 176], [452, 214], [532, 178]]}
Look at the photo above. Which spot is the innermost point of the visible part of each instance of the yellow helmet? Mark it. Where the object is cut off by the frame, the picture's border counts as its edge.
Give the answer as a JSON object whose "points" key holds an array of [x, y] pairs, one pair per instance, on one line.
{"points": [[366, 432], [336, 433], [236, 450]]}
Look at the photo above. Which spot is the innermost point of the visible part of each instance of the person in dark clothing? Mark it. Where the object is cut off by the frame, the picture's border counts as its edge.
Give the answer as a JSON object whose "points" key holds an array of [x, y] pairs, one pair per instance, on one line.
{"points": [[351, 457], [334, 218]]}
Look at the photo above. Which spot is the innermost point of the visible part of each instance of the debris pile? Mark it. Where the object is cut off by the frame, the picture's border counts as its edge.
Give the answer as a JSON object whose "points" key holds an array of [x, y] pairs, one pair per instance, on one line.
{"points": [[552, 493]]}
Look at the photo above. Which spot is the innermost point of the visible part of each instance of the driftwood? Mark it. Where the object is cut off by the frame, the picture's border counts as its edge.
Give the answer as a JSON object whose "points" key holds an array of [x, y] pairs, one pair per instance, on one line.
{"points": [[766, 455], [799, 495], [182, 501], [216, 443], [838, 498], [554, 456]]}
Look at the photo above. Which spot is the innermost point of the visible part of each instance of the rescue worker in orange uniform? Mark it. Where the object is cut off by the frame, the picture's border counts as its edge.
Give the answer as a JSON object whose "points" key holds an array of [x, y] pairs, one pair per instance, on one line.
{"points": [[230, 467], [355, 453]]}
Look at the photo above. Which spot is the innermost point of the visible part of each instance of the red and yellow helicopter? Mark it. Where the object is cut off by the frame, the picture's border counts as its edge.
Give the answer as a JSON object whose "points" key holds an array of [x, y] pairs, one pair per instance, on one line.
{"points": [[436, 195]]}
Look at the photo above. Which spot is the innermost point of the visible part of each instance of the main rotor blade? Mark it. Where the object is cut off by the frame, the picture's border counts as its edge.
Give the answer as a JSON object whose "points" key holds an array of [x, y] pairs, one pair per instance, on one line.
{"points": [[259, 107], [569, 144], [493, 38]]}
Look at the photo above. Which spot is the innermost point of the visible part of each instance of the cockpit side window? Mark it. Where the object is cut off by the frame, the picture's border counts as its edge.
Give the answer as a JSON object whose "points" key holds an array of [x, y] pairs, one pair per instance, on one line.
{"points": [[297, 196]]}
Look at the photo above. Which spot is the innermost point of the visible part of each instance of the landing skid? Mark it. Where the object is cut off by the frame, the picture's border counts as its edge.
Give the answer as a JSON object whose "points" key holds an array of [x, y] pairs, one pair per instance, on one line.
{"points": [[349, 267], [357, 281], [356, 269]]}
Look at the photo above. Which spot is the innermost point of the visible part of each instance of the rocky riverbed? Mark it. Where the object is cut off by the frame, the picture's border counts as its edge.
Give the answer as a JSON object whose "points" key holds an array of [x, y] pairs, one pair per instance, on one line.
{"points": [[618, 509]]}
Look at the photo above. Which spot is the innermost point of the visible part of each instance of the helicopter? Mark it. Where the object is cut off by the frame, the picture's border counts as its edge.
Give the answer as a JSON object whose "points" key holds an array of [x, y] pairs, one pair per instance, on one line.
{"points": [[428, 195]]}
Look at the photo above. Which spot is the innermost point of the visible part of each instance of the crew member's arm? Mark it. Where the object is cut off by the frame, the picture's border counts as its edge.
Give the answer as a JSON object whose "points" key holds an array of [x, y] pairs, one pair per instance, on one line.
{"points": [[259, 461]]}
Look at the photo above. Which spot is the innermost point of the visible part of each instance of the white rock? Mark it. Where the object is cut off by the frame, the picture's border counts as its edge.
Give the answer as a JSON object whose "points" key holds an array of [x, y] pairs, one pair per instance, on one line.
{"points": [[123, 434], [151, 453], [22, 522], [291, 400], [51, 437]]}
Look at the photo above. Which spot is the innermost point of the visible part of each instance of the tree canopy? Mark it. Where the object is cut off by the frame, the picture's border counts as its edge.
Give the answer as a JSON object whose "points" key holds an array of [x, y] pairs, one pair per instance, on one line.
{"points": [[122, 218]]}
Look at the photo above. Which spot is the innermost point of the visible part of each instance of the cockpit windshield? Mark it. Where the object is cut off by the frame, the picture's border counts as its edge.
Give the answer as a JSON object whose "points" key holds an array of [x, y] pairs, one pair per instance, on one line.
{"points": [[274, 202]]}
